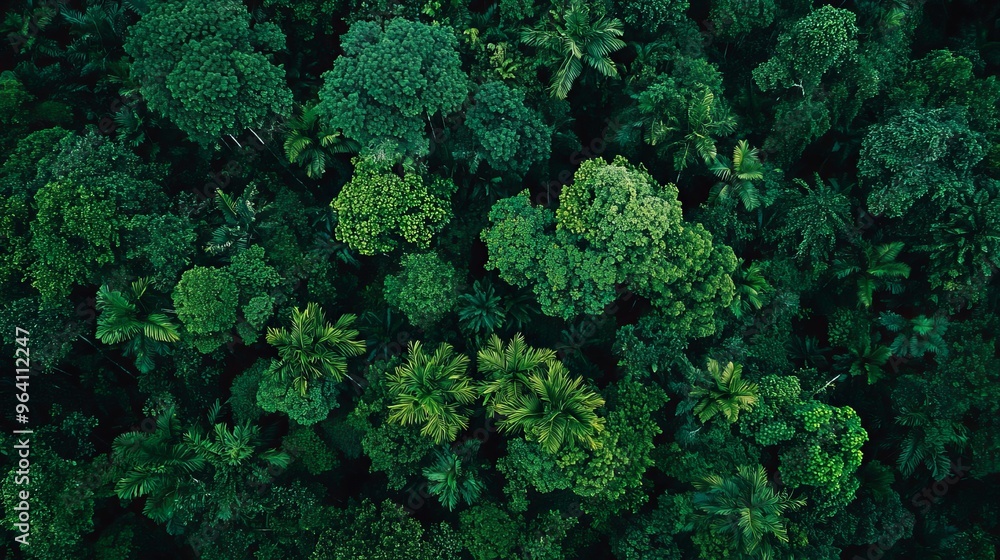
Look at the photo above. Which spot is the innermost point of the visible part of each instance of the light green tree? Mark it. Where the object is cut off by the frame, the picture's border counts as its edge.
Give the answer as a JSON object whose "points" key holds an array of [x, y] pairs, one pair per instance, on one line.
{"points": [[378, 208], [433, 390], [314, 348]]}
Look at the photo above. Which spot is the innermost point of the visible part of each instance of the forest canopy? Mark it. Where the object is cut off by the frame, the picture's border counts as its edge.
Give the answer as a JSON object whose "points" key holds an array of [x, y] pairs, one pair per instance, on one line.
{"points": [[500, 279]]}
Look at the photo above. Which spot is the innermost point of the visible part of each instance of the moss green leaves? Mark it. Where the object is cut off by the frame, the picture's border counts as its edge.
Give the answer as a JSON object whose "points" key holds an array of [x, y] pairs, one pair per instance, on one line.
{"points": [[389, 82], [425, 290], [196, 65]]}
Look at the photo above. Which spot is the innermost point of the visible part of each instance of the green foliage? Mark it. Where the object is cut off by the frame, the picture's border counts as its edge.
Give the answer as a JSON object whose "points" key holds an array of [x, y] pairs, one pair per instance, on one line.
{"points": [[916, 336], [373, 532], [615, 225], [378, 208], [651, 16], [205, 300], [735, 19], [751, 287], [145, 334], [817, 218], [507, 135], [730, 395], [196, 65], [920, 156], [452, 479], [425, 290], [737, 176], [872, 267], [553, 408], [432, 390], [240, 228], [572, 41], [480, 311], [306, 406], [745, 511], [489, 531], [390, 80], [816, 44], [312, 146], [314, 348], [303, 443]]}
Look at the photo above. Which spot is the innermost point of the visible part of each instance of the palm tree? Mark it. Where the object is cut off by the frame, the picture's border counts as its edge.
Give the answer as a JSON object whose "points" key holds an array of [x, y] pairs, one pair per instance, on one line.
{"points": [[310, 145], [866, 358], [926, 442], [746, 510], [481, 311], [164, 465], [432, 390], [737, 176], [873, 268], [314, 348], [124, 319], [574, 40], [705, 119], [554, 409], [508, 368], [451, 480], [240, 226], [917, 336], [730, 395], [750, 287]]}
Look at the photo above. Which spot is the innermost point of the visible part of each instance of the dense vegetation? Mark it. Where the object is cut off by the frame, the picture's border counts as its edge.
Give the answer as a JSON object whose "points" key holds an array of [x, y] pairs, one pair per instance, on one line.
{"points": [[533, 279]]}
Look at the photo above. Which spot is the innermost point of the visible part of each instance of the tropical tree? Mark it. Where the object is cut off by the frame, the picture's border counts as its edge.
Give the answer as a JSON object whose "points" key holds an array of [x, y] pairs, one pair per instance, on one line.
{"points": [[315, 348], [508, 367], [730, 394], [451, 478], [745, 510], [198, 64], [926, 441], [872, 267], [706, 119], [575, 42], [170, 467], [737, 176], [917, 336], [555, 409], [750, 289], [240, 226], [866, 358], [311, 145], [481, 311], [124, 318], [432, 390]]}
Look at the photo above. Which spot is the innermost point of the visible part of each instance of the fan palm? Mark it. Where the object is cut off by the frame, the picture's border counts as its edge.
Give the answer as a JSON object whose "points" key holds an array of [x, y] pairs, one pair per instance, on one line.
{"points": [[577, 42], [311, 146], [872, 268], [730, 394], [737, 176], [508, 368], [314, 348], [554, 409], [867, 358], [746, 510], [124, 319], [432, 390], [451, 480]]}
